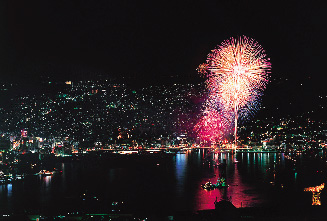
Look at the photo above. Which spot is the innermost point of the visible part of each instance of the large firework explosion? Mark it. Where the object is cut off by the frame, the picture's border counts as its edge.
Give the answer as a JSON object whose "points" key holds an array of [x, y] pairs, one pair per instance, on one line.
{"points": [[237, 72]]}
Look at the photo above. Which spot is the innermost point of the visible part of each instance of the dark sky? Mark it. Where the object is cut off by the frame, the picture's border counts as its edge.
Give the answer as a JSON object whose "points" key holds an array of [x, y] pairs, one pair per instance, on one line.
{"points": [[152, 40]]}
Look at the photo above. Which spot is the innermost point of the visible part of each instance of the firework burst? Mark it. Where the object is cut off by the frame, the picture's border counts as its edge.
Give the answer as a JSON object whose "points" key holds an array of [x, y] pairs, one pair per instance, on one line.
{"points": [[237, 72], [210, 126]]}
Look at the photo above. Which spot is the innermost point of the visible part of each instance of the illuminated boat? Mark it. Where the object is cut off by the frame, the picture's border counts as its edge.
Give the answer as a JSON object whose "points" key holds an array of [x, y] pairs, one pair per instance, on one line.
{"points": [[221, 183], [208, 186], [182, 152], [5, 179], [19, 176], [45, 173]]}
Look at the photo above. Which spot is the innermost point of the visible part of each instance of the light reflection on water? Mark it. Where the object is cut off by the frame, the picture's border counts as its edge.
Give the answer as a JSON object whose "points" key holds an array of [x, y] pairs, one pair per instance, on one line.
{"points": [[47, 182], [45, 190], [181, 164], [242, 190], [238, 192], [174, 181], [9, 189]]}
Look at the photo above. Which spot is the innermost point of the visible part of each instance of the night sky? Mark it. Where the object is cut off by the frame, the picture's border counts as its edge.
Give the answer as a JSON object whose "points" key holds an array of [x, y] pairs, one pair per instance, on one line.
{"points": [[153, 42]]}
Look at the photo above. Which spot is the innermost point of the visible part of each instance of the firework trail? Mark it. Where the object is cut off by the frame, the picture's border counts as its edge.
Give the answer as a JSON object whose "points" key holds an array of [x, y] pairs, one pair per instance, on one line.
{"points": [[237, 72]]}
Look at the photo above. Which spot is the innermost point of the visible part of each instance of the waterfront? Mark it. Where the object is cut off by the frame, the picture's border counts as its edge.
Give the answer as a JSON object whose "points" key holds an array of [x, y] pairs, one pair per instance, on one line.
{"points": [[166, 183]]}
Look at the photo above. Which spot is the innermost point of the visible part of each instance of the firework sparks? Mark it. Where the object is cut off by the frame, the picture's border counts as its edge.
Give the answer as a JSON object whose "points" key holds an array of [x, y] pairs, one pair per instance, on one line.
{"points": [[202, 69], [237, 72], [210, 126]]}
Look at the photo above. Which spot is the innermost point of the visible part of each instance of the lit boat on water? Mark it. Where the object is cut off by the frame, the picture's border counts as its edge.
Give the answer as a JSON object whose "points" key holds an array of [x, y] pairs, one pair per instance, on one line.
{"points": [[182, 152], [4, 179], [221, 183], [19, 177], [208, 186], [9, 178], [45, 173]]}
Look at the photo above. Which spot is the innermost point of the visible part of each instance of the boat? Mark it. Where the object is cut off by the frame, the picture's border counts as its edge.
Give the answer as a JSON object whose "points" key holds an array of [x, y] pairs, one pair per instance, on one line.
{"points": [[19, 176], [182, 152], [45, 173], [208, 186], [221, 183], [5, 178]]}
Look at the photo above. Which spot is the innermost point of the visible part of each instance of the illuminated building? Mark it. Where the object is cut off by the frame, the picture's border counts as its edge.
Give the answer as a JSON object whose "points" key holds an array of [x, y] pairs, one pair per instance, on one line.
{"points": [[24, 133]]}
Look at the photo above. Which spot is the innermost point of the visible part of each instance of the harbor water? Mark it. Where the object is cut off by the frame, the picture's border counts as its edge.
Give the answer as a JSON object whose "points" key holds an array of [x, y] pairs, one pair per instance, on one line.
{"points": [[168, 183]]}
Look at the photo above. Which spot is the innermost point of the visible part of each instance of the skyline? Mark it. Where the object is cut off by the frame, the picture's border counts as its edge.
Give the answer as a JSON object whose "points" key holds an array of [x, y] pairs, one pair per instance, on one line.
{"points": [[146, 44], [101, 109]]}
